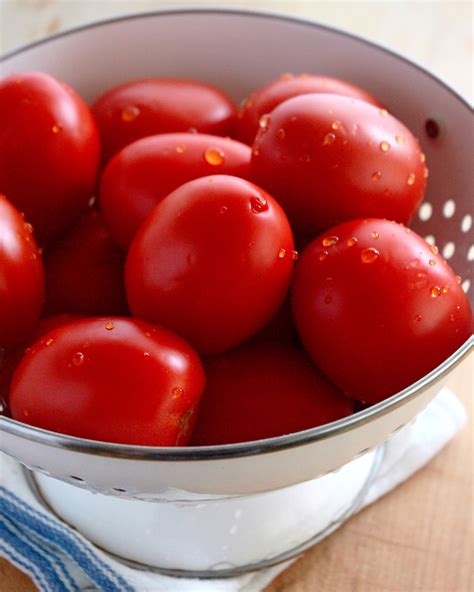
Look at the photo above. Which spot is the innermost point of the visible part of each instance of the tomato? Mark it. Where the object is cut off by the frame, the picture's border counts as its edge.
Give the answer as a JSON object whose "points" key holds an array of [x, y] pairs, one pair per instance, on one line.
{"points": [[268, 97], [21, 277], [116, 380], [329, 158], [84, 271], [377, 308], [212, 261], [262, 390], [49, 151], [143, 173], [10, 358], [142, 108]]}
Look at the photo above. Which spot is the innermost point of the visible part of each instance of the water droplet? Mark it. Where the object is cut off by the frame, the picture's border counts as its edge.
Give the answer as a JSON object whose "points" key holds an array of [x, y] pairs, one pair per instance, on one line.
{"points": [[384, 146], [426, 173], [57, 128], [329, 139], [383, 112], [376, 176], [109, 325], [255, 151], [330, 241], [445, 288], [432, 262], [264, 121], [458, 279], [418, 318], [336, 125], [351, 241], [25, 412], [192, 130], [422, 157], [434, 249], [177, 392], [294, 255], [286, 76], [435, 292], [369, 255], [49, 341], [374, 234], [214, 156], [304, 158], [323, 255], [258, 204], [281, 134], [223, 210], [78, 358], [408, 230], [400, 139], [210, 179], [130, 113], [281, 253], [327, 299], [370, 142], [452, 318], [146, 354], [180, 149], [411, 179]]}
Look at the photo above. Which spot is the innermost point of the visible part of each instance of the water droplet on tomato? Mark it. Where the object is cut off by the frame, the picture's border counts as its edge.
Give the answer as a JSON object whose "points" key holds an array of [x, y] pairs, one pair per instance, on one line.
{"points": [[434, 249], [376, 176], [422, 157], [294, 255], [458, 279], [452, 317], [214, 156], [180, 149], [374, 234], [264, 121], [223, 209], [281, 134], [383, 112], [329, 139], [330, 241], [177, 392], [384, 146], [352, 241], [130, 113], [411, 179], [25, 412], [435, 291], [78, 358], [400, 139], [281, 253], [146, 354], [432, 262], [258, 204], [445, 288], [49, 341], [57, 128], [418, 318], [336, 125], [369, 255], [109, 325], [323, 255], [255, 151]]}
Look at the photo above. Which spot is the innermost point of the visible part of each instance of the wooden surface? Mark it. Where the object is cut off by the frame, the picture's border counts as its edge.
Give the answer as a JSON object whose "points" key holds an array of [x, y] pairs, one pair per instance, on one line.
{"points": [[420, 537]]}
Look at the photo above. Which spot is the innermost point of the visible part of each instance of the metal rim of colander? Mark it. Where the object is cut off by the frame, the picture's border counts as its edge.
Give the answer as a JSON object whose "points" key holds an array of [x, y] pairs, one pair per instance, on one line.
{"points": [[133, 452]]}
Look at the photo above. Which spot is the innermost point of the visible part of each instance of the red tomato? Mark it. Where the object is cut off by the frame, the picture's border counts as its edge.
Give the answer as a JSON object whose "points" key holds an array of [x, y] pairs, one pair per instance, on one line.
{"points": [[262, 390], [212, 261], [21, 277], [143, 173], [84, 271], [142, 108], [328, 158], [116, 380], [377, 307], [10, 358], [268, 97], [49, 151]]}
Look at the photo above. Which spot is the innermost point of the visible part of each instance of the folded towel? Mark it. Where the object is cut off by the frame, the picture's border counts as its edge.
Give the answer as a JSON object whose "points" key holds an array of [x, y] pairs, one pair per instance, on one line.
{"points": [[59, 559]]}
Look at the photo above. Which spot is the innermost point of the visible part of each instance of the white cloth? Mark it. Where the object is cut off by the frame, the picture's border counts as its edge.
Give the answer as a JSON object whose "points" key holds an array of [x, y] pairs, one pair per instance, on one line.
{"points": [[58, 558]]}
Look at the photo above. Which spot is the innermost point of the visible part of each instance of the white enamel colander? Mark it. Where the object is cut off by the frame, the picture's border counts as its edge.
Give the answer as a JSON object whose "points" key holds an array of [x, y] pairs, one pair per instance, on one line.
{"points": [[202, 488]]}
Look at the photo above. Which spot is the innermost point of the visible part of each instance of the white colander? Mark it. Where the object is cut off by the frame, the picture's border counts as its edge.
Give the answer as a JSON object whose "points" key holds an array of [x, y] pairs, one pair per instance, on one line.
{"points": [[239, 51]]}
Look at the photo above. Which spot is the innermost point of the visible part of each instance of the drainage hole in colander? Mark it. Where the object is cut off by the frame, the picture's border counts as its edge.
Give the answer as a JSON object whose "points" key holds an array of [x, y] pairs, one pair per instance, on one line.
{"points": [[76, 478], [466, 223], [448, 250], [466, 285], [470, 253], [432, 128], [119, 489], [449, 208], [425, 211]]}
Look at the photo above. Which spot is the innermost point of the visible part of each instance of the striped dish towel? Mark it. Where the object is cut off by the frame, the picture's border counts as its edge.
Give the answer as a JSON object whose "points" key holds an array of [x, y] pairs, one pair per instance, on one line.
{"points": [[59, 559]]}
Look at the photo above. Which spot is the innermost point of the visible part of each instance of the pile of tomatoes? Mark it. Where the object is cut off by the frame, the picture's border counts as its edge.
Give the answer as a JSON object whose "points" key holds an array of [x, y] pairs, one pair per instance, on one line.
{"points": [[175, 270]]}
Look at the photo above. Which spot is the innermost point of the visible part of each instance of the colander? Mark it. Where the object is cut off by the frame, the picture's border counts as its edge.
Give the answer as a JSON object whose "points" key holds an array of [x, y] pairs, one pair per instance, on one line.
{"points": [[214, 501]]}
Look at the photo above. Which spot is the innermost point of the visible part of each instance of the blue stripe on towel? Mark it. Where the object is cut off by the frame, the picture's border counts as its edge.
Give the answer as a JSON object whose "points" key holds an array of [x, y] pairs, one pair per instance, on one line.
{"points": [[63, 539]]}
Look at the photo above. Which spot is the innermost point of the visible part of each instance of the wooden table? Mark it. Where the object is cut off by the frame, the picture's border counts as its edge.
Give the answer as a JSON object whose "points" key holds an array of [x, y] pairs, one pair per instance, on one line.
{"points": [[420, 537]]}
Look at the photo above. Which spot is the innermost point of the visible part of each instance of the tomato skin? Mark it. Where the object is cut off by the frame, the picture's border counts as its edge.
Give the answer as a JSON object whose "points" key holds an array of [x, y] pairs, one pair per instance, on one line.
{"points": [[208, 265], [375, 327], [325, 170], [21, 277], [140, 108], [110, 379], [265, 99], [84, 271], [262, 390], [49, 151], [146, 171]]}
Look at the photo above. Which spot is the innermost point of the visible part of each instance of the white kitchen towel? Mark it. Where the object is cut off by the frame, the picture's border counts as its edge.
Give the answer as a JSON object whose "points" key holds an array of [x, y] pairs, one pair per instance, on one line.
{"points": [[61, 560]]}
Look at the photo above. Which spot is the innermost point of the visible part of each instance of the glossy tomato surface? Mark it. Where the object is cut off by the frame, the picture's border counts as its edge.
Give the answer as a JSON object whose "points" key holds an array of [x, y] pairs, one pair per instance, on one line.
{"points": [[268, 97], [261, 390], [213, 262], [145, 172], [21, 276], [84, 271], [49, 151], [377, 307], [110, 379], [328, 158], [140, 108]]}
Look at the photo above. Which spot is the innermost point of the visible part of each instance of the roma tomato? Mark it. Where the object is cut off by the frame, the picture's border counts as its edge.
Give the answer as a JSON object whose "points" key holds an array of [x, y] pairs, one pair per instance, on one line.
{"points": [[262, 390], [142, 108], [49, 151], [265, 99], [213, 262], [116, 380], [11, 357], [84, 271], [377, 307], [143, 173], [21, 277], [328, 158]]}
